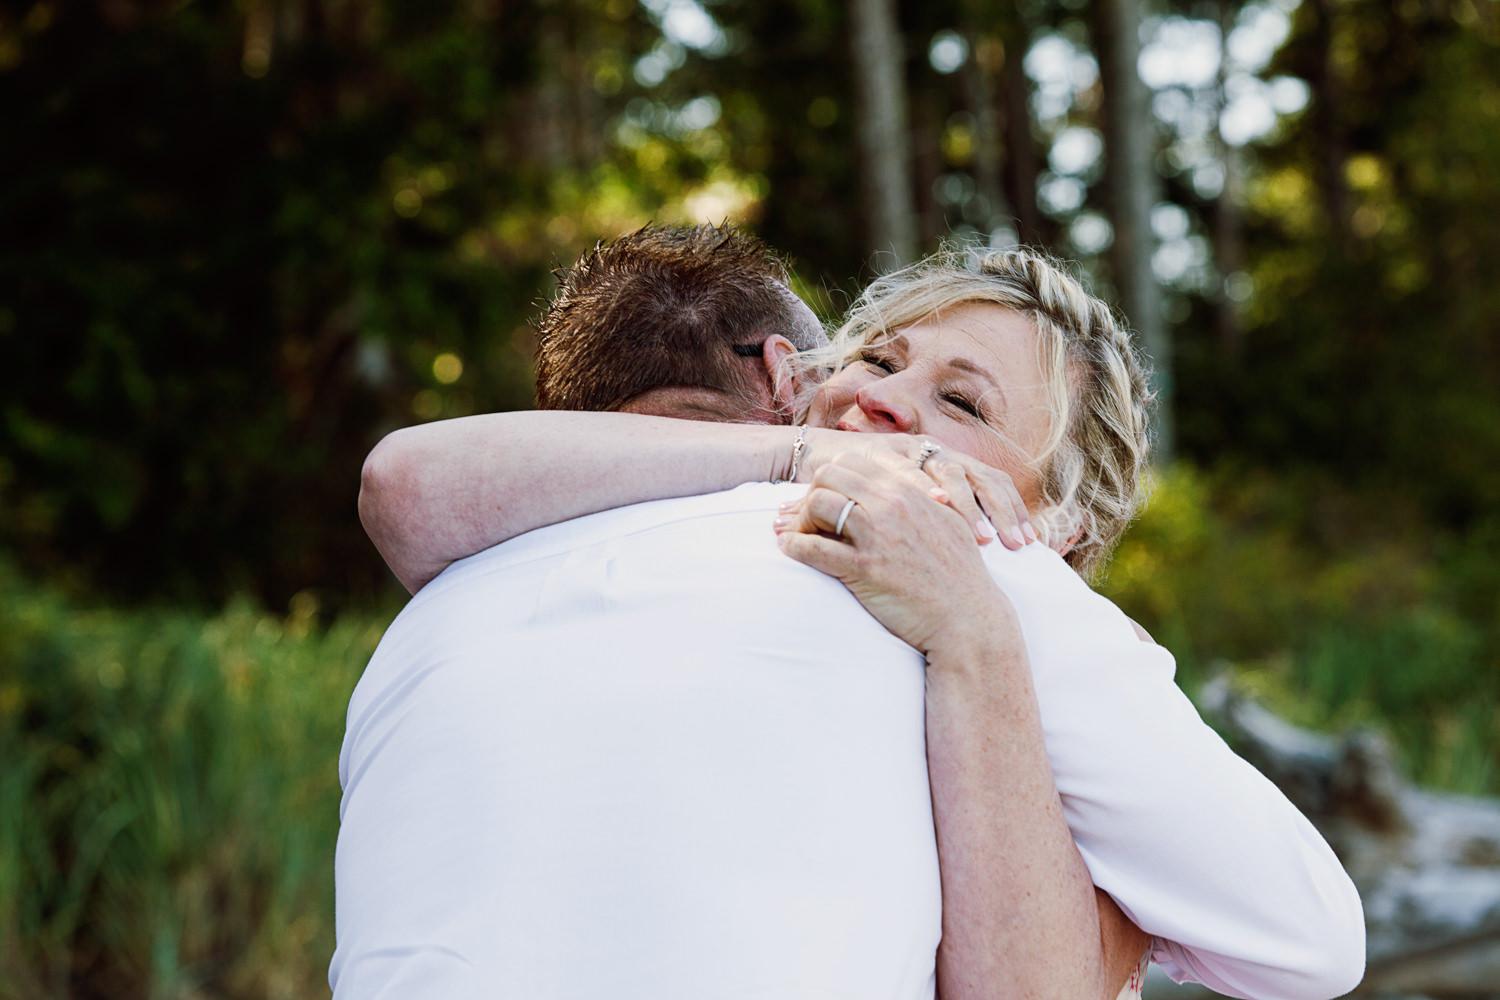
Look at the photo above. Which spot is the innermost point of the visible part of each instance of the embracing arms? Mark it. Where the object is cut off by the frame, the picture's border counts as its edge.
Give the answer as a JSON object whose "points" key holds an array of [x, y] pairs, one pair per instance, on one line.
{"points": [[1082, 722], [438, 492], [1200, 850], [1021, 916], [435, 493], [1203, 852], [1019, 904], [1021, 908]]}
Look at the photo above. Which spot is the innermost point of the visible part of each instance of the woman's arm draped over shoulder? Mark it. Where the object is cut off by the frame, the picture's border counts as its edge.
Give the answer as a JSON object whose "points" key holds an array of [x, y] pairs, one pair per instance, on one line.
{"points": [[1238, 889], [1020, 911], [437, 492]]}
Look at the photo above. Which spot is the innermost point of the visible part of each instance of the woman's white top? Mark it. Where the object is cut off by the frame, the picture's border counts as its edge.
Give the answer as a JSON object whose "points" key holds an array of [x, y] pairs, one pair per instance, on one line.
{"points": [[643, 754]]}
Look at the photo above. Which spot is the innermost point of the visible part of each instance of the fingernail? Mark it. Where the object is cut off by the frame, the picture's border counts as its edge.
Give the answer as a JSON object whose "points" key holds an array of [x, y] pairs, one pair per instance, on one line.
{"points": [[1015, 535], [779, 524], [1030, 531], [986, 529], [786, 506], [939, 494]]}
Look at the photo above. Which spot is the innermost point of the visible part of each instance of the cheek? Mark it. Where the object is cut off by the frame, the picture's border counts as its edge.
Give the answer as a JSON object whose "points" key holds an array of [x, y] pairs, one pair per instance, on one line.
{"points": [[836, 395]]}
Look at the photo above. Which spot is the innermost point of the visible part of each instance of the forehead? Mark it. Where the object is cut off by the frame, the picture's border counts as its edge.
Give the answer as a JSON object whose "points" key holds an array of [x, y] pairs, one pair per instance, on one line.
{"points": [[991, 336]]}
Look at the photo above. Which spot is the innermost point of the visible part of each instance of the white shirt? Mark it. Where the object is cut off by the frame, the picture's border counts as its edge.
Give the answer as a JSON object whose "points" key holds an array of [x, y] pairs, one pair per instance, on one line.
{"points": [[643, 754]]}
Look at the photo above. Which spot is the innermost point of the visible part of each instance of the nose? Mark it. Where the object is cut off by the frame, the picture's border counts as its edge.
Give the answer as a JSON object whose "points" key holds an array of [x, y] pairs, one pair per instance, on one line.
{"points": [[883, 405]]}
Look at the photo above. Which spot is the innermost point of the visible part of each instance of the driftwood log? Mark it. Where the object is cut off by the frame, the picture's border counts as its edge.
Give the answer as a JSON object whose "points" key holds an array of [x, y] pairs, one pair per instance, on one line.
{"points": [[1427, 864]]}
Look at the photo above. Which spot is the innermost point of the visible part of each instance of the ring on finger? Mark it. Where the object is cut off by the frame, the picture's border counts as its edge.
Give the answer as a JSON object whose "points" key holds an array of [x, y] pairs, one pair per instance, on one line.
{"points": [[838, 529], [928, 450]]}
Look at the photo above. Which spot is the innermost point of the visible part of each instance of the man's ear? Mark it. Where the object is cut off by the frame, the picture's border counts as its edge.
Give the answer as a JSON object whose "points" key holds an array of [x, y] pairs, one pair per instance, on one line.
{"points": [[775, 354]]}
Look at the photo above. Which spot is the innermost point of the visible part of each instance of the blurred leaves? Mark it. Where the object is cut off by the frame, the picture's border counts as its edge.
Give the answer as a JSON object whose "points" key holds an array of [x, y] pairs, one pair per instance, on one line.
{"points": [[242, 239], [169, 802], [1341, 613]]}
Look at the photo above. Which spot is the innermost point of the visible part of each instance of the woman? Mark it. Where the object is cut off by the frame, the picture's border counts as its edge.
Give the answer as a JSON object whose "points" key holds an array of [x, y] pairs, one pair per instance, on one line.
{"points": [[1040, 405]]}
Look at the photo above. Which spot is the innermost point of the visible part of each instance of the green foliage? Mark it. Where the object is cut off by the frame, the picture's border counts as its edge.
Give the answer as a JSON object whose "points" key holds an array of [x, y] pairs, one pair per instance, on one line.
{"points": [[1372, 330], [1335, 616], [245, 241], [169, 803], [169, 800], [240, 239]]}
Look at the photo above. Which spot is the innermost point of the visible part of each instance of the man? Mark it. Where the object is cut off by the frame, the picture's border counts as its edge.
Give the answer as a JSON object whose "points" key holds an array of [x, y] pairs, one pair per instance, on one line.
{"points": [[601, 760], [642, 754], [691, 323], [675, 299]]}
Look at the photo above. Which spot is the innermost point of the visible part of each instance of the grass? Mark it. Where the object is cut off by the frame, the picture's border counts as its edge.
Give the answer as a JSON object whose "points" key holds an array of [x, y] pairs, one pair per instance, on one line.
{"points": [[169, 793], [169, 800]]}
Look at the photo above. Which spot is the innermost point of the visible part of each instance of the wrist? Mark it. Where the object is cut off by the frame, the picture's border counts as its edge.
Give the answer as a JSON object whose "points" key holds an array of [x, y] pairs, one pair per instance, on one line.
{"points": [[977, 637], [797, 455], [773, 451]]}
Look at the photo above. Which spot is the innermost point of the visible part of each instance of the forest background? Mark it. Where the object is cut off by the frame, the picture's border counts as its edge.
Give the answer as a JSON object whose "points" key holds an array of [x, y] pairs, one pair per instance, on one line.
{"points": [[240, 242]]}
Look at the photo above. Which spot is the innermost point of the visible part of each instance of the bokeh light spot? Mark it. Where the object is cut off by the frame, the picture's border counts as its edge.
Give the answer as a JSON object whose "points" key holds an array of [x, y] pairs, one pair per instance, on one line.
{"points": [[447, 368]]}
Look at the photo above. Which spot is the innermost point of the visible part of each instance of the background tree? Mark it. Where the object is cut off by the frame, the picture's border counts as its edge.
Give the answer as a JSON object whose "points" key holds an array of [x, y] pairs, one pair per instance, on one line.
{"points": [[884, 136], [1129, 145]]}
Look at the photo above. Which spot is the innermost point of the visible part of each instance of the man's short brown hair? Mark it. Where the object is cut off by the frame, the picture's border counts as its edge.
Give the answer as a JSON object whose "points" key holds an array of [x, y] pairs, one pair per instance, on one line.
{"points": [[663, 306]]}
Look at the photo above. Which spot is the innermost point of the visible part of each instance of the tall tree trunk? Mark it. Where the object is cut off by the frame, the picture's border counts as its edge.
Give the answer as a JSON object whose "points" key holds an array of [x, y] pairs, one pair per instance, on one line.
{"points": [[979, 21], [884, 139], [927, 163], [1020, 167], [1132, 186], [587, 114], [548, 143], [1229, 249], [1329, 133]]}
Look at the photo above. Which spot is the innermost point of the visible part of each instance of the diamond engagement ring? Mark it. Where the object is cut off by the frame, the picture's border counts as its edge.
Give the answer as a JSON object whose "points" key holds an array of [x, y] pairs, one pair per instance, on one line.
{"points": [[838, 529], [928, 450]]}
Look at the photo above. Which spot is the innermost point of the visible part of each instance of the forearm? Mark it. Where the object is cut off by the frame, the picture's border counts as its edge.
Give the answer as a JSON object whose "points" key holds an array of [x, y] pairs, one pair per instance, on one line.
{"points": [[1238, 889], [437, 492], [1019, 906]]}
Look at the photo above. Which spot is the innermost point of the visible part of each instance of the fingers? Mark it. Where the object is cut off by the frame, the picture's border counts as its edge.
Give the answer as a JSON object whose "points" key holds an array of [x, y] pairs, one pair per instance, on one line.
{"points": [[821, 510], [1002, 501], [823, 554], [992, 490], [985, 498], [959, 494], [861, 477]]}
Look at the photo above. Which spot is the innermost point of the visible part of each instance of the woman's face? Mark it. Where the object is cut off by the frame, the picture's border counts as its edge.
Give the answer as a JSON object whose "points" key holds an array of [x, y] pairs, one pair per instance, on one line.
{"points": [[969, 378]]}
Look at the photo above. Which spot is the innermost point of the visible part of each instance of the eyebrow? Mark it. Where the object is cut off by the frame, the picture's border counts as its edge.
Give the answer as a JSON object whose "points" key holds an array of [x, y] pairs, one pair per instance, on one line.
{"points": [[965, 365], [962, 364]]}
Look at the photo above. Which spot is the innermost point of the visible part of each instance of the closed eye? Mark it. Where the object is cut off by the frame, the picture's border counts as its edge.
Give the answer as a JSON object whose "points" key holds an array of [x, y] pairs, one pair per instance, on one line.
{"points": [[878, 361], [963, 403]]}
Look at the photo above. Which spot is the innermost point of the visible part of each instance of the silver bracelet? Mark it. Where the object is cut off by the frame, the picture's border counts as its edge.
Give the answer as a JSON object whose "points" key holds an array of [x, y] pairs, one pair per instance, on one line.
{"points": [[798, 444]]}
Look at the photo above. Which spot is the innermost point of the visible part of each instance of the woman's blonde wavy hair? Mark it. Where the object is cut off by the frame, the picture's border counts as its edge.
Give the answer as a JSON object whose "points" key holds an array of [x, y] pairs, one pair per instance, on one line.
{"points": [[1092, 465]]}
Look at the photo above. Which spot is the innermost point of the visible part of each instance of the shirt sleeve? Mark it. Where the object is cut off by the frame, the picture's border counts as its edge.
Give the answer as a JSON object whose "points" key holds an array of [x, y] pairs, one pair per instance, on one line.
{"points": [[1201, 850]]}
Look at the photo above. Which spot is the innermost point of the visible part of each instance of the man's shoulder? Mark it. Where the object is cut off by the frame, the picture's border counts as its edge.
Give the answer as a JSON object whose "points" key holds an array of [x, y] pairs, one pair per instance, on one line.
{"points": [[1033, 565], [594, 529], [1065, 620]]}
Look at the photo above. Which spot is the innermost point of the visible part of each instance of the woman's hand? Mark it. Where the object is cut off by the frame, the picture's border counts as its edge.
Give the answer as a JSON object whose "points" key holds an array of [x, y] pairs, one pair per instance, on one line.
{"points": [[910, 561], [986, 497]]}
